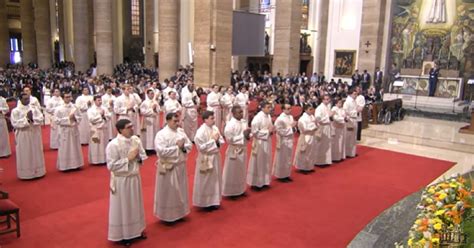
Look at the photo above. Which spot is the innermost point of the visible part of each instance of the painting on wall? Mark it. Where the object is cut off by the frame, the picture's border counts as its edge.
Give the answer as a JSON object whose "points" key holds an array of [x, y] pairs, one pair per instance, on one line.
{"points": [[344, 63], [428, 30]]}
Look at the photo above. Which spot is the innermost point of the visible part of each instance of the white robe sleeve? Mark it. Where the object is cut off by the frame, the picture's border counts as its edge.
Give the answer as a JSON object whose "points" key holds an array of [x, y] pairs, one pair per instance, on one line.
{"points": [[18, 119], [282, 129], [257, 130], [164, 151], [232, 135], [114, 162]]}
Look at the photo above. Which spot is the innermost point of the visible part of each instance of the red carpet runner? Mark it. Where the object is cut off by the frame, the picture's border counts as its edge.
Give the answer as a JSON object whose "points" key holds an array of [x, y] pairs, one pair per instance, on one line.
{"points": [[323, 209]]}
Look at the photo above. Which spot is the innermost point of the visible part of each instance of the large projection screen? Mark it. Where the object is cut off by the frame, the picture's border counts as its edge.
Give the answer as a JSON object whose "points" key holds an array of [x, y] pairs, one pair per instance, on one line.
{"points": [[248, 34]]}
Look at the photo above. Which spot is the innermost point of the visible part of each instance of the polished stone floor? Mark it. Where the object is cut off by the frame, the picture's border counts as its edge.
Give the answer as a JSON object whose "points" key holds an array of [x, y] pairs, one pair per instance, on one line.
{"points": [[431, 138]]}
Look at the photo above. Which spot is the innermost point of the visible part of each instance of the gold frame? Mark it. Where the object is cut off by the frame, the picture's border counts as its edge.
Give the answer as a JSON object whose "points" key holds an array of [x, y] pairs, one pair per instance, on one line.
{"points": [[337, 54]]}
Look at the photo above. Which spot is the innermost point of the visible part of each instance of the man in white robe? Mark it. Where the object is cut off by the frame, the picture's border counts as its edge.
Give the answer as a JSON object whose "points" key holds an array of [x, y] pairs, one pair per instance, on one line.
{"points": [[98, 117], [5, 150], [33, 100], [260, 163], [207, 191], [54, 102], [323, 116], [67, 117], [227, 102], [360, 102], [284, 126], [338, 149], [83, 103], [172, 105], [304, 154], [213, 102], [237, 134], [27, 122], [190, 101], [242, 99], [108, 102], [149, 109], [168, 89], [126, 107], [171, 190], [350, 107], [125, 154]]}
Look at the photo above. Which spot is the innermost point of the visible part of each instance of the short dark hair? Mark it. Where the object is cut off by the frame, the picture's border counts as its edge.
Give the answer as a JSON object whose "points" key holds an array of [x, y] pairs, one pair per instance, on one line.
{"points": [[264, 103], [206, 114], [170, 116], [235, 108], [150, 90], [120, 125], [97, 97], [306, 106]]}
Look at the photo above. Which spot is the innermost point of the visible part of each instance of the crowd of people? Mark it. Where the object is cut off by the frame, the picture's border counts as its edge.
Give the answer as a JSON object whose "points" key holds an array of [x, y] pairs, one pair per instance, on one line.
{"points": [[118, 117]]}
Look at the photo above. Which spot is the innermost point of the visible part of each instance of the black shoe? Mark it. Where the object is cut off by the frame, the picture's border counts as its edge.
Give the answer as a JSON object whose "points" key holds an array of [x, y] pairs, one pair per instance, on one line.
{"points": [[126, 243], [143, 236]]}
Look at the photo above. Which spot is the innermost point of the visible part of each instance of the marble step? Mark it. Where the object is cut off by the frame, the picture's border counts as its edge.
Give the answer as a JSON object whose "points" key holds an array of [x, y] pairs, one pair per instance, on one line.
{"points": [[394, 138]]}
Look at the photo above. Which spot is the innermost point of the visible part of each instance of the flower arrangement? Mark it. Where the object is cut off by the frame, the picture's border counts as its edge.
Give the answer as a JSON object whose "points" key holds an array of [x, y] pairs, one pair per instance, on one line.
{"points": [[443, 208]]}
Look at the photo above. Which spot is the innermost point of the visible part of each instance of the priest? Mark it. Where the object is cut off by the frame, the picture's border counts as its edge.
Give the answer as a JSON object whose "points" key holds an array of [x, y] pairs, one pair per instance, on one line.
{"points": [[284, 126], [207, 177], [171, 191], [27, 121], [125, 155], [53, 103], [98, 116]]}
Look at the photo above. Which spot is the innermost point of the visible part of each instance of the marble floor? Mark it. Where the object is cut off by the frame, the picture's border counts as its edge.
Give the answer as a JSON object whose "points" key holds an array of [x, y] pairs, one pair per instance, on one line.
{"points": [[431, 138]]}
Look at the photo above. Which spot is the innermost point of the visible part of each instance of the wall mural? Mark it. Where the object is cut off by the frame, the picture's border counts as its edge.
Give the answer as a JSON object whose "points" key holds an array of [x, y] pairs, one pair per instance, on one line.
{"points": [[434, 30]]}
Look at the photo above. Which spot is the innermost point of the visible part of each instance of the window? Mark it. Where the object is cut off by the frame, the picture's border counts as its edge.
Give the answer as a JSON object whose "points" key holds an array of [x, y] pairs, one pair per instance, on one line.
{"points": [[135, 13], [15, 55]]}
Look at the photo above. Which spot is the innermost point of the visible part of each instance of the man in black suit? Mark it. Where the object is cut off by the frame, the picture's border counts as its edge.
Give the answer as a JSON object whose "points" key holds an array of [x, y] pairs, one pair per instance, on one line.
{"points": [[433, 81], [365, 81], [378, 79]]}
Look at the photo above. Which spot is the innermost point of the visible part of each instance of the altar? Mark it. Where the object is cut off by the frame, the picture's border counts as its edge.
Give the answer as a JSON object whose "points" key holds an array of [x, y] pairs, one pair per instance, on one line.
{"points": [[413, 90], [447, 87]]}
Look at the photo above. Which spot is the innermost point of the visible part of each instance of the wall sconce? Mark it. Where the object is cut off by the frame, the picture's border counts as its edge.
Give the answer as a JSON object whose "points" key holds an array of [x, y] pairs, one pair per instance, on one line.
{"points": [[212, 47]]}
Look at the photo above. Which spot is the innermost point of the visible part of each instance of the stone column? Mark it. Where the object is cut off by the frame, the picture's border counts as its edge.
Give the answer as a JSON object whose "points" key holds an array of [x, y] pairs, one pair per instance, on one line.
{"points": [[149, 32], [103, 30], [372, 31], [92, 33], [117, 32], [4, 35], [320, 36], [186, 31], [286, 52], [81, 35], [43, 34], [28, 31], [169, 38], [213, 42]]}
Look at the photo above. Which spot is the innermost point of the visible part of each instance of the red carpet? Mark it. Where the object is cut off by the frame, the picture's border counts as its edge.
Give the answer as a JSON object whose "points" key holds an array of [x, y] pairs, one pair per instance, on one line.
{"points": [[323, 209]]}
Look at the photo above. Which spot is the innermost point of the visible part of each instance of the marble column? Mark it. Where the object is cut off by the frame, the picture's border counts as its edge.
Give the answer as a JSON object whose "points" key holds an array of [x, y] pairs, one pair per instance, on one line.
{"points": [[149, 33], [43, 34], [213, 42], [28, 31], [103, 30], [320, 36], [117, 32], [286, 52], [169, 38], [186, 31], [4, 35], [81, 35], [371, 33]]}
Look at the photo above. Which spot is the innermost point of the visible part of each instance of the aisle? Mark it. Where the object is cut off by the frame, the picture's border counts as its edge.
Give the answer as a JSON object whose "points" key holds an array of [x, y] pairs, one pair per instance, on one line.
{"points": [[323, 209]]}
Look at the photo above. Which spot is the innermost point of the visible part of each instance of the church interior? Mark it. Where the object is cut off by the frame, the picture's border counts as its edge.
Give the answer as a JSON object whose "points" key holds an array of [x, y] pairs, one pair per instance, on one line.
{"points": [[236, 123]]}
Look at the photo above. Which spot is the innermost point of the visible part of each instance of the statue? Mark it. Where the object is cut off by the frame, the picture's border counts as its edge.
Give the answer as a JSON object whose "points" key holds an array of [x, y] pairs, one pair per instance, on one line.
{"points": [[437, 12]]}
